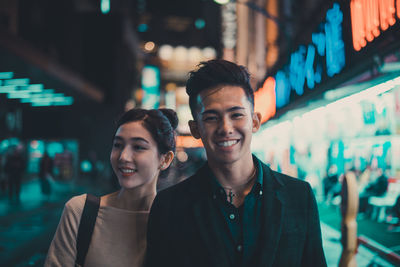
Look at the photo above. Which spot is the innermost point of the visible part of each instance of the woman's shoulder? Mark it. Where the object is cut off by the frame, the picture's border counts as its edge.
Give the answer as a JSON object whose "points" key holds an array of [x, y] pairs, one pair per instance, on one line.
{"points": [[75, 204]]}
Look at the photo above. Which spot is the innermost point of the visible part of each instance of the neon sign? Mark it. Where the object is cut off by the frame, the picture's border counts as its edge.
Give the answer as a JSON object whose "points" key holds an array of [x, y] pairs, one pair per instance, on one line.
{"points": [[370, 18], [151, 86], [264, 99], [306, 66]]}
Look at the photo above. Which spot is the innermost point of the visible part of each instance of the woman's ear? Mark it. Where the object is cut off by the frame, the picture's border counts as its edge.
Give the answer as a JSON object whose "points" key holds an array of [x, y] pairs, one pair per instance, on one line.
{"points": [[166, 160]]}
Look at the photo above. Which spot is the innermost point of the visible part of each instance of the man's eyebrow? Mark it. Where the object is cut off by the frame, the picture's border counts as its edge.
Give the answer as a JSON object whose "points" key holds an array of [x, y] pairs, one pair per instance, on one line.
{"points": [[213, 111], [209, 111], [235, 108], [131, 139]]}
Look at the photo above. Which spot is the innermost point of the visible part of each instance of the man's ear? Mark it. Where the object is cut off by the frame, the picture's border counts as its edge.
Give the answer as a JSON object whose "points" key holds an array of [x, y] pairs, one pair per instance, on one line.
{"points": [[256, 121], [194, 129]]}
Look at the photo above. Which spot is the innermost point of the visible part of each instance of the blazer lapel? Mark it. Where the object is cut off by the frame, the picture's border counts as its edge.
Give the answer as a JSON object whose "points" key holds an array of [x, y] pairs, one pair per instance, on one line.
{"points": [[208, 231], [205, 223], [273, 211]]}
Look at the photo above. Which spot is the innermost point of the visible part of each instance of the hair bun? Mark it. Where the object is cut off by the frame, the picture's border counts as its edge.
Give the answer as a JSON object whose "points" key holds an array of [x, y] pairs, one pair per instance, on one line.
{"points": [[171, 116]]}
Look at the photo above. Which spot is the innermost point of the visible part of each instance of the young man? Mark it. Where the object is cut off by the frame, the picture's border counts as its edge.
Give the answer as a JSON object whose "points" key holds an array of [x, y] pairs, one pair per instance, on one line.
{"points": [[234, 211]]}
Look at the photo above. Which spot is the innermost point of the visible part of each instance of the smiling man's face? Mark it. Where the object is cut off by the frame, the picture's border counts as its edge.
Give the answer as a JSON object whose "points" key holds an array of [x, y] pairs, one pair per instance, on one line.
{"points": [[225, 123]]}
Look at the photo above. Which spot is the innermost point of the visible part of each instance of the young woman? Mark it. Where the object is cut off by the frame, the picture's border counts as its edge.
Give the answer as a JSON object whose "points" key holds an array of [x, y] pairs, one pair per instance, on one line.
{"points": [[143, 148]]}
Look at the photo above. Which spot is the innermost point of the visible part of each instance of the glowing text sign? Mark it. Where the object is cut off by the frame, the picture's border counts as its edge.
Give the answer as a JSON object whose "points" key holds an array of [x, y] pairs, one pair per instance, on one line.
{"points": [[151, 87], [306, 63], [264, 100], [370, 18]]}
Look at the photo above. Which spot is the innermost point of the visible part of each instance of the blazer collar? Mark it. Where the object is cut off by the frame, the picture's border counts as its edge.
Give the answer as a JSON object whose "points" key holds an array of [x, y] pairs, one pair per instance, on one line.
{"points": [[273, 211], [207, 226]]}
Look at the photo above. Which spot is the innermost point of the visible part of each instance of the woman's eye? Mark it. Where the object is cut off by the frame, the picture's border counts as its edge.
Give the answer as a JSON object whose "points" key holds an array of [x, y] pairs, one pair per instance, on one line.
{"points": [[117, 145], [137, 147]]}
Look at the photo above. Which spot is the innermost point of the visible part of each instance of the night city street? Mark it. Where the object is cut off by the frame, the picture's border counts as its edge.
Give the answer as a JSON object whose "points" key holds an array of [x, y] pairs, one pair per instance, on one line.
{"points": [[268, 122]]}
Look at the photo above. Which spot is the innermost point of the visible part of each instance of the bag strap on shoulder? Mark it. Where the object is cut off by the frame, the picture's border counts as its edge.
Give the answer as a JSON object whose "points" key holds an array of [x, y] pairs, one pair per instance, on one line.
{"points": [[86, 226]]}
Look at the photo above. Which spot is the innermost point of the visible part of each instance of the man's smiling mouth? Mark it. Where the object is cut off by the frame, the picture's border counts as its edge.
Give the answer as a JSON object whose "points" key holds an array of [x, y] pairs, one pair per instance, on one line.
{"points": [[227, 143]]}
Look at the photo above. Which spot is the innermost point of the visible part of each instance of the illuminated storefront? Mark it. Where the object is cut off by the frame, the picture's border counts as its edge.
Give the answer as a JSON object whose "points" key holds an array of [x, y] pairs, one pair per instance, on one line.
{"points": [[338, 97]]}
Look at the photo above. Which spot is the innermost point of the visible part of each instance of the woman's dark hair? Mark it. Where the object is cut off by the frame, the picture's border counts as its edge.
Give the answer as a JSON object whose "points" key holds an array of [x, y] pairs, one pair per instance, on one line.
{"points": [[214, 73], [161, 124]]}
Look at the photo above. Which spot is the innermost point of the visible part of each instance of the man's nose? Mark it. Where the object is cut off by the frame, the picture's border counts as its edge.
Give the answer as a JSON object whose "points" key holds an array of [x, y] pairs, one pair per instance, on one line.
{"points": [[225, 126]]}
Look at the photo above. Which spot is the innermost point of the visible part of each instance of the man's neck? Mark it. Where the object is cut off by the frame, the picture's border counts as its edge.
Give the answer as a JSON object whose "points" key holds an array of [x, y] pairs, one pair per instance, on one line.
{"points": [[234, 174]]}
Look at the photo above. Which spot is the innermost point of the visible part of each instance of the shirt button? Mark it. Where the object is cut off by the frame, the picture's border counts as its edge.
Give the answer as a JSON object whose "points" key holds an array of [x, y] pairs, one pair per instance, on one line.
{"points": [[261, 193], [232, 216], [239, 248]]}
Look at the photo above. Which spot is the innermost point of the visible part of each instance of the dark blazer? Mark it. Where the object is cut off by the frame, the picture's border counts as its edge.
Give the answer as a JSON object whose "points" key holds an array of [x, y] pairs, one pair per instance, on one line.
{"points": [[181, 231]]}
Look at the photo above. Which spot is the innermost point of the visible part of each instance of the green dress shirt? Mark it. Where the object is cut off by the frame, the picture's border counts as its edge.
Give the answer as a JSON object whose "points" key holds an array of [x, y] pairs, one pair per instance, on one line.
{"points": [[240, 227]]}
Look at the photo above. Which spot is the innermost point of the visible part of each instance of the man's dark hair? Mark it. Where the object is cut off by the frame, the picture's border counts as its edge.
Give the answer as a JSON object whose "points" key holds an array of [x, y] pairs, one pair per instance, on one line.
{"points": [[213, 73]]}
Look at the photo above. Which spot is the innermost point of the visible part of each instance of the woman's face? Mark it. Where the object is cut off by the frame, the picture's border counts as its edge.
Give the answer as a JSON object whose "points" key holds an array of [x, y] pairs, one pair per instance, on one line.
{"points": [[134, 156]]}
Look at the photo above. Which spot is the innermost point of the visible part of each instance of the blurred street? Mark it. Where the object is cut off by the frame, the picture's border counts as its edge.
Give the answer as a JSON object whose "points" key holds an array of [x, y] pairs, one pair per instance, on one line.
{"points": [[330, 225], [27, 227], [326, 83]]}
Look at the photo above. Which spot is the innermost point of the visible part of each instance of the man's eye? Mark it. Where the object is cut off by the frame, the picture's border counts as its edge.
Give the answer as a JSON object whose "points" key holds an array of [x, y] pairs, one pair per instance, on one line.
{"points": [[237, 115], [210, 118]]}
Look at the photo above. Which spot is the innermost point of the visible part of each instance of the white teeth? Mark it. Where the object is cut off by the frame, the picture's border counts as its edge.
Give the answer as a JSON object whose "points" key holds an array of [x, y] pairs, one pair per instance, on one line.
{"points": [[228, 143], [127, 170]]}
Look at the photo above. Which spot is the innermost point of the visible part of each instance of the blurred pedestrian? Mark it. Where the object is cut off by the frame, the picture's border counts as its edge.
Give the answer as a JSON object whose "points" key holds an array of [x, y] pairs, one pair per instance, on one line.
{"points": [[395, 210], [143, 148], [376, 187], [234, 211], [46, 174], [3, 178], [14, 169], [332, 186]]}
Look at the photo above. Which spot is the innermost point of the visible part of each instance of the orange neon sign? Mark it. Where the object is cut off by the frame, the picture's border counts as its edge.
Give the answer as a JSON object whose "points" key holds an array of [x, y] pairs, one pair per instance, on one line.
{"points": [[398, 8], [188, 141], [371, 17], [264, 100]]}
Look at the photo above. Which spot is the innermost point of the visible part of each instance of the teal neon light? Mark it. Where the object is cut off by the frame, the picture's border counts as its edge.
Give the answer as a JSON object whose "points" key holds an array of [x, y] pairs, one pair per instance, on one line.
{"points": [[21, 81], [16, 95], [48, 91], [47, 104], [35, 87], [151, 86], [142, 28], [25, 100], [335, 59], [6, 75], [41, 100], [105, 6], [306, 66], [200, 23], [86, 166], [309, 67], [7, 88], [34, 94]]}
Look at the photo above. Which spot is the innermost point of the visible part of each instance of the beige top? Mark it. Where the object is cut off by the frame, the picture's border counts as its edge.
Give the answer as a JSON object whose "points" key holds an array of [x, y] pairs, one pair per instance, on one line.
{"points": [[119, 237]]}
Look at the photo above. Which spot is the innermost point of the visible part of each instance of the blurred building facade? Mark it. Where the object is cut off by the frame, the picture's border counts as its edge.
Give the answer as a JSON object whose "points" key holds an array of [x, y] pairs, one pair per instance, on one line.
{"points": [[336, 92]]}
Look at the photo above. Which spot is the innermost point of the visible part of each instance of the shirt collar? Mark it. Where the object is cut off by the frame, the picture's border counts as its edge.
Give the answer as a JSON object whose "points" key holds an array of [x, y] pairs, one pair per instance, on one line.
{"points": [[218, 189]]}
